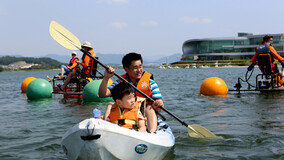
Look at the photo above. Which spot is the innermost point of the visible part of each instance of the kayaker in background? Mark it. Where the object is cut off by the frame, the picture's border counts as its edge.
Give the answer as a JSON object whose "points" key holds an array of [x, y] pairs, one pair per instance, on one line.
{"points": [[65, 70], [264, 49], [87, 64], [133, 66], [126, 110]]}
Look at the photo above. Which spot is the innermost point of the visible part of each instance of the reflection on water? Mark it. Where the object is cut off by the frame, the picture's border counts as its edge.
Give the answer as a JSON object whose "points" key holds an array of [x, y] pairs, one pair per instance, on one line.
{"points": [[71, 102], [270, 112], [250, 123], [40, 102]]}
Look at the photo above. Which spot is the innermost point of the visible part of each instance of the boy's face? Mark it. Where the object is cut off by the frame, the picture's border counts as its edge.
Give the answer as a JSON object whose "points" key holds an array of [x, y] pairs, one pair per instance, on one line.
{"points": [[127, 101]]}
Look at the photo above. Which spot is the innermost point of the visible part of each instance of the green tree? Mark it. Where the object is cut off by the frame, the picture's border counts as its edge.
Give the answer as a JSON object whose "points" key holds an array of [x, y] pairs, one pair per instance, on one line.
{"points": [[44, 62]]}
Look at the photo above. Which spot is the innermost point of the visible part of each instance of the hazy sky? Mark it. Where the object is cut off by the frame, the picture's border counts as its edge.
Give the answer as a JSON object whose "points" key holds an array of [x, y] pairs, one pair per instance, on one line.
{"points": [[154, 28]]}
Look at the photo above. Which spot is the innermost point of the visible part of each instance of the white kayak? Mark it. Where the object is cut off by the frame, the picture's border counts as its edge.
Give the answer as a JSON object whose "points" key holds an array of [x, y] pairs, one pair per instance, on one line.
{"points": [[98, 139]]}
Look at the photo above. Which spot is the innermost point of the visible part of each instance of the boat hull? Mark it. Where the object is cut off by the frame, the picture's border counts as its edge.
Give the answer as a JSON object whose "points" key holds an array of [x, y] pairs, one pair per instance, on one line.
{"points": [[104, 140]]}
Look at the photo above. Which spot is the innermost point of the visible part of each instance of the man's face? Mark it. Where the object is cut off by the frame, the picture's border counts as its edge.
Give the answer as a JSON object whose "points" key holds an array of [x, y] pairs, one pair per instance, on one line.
{"points": [[270, 40], [86, 48], [135, 70]]}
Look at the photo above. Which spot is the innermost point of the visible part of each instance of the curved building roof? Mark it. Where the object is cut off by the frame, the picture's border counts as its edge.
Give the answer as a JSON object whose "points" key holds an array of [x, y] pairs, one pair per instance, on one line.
{"points": [[244, 44], [216, 39]]}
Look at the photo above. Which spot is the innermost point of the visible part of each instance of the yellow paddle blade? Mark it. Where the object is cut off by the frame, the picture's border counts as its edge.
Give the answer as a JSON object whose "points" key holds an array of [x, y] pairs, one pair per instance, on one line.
{"points": [[197, 131], [63, 36]]}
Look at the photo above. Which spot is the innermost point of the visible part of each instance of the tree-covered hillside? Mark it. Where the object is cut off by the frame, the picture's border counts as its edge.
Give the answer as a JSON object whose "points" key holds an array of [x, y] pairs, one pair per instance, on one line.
{"points": [[43, 63]]}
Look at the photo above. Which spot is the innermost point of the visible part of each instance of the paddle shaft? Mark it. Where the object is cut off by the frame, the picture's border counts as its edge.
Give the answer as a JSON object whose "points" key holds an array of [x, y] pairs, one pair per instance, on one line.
{"points": [[87, 53], [69, 41], [99, 72], [145, 95]]}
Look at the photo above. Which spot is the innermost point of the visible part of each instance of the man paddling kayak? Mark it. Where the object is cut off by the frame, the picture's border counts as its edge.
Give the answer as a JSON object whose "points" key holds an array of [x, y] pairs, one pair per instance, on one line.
{"points": [[133, 66]]}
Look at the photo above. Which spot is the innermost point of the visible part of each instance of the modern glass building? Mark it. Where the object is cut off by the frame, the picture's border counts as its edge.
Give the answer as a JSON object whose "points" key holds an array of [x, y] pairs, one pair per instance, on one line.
{"points": [[230, 48]]}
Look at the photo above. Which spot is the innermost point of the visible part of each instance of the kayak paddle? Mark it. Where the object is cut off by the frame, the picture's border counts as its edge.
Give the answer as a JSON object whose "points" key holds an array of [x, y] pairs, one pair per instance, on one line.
{"points": [[71, 42]]}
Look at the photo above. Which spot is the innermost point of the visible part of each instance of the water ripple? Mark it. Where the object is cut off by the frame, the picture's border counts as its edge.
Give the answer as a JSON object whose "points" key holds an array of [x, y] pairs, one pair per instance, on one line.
{"points": [[250, 123]]}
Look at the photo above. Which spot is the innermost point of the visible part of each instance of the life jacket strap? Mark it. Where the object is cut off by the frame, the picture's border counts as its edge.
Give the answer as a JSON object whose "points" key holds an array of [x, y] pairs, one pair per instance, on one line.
{"points": [[121, 122]]}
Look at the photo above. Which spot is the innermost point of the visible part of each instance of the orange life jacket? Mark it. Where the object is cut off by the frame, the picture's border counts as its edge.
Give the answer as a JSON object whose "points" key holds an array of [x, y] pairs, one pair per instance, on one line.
{"points": [[267, 49], [73, 63], [88, 63], [127, 118], [143, 85]]}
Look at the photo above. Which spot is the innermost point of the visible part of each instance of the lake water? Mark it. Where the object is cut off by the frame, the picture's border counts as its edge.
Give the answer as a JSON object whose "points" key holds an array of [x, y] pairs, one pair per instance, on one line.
{"points": [[251, 123]]}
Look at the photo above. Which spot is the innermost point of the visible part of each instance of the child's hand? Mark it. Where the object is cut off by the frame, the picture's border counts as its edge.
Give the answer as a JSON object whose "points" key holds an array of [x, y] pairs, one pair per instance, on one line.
{"points": [[143, 129]]}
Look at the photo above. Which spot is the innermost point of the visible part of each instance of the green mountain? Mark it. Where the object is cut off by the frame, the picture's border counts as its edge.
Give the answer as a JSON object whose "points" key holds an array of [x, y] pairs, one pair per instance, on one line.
{"points": [[28, 63], [116, 58]]}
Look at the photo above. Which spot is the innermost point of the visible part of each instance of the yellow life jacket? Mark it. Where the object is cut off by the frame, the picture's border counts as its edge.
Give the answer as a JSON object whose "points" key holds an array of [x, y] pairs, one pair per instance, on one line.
{"points": [[127, 118]]}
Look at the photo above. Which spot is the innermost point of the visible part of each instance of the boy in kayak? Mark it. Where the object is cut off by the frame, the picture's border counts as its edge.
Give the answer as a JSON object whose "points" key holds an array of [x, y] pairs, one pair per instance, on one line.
{"points": [[143, 80], [126, 110]]}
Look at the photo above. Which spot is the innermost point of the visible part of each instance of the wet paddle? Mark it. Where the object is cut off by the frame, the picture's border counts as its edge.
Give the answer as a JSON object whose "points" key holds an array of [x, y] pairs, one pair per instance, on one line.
{"points": [[70, 41]]}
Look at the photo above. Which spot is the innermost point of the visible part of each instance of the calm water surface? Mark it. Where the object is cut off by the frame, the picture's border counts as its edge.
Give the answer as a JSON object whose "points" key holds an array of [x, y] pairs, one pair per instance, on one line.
{"points": [[251, 123]]}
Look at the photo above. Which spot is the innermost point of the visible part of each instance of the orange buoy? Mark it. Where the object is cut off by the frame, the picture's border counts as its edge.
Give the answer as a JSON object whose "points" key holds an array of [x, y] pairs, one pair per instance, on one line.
{"points": [[213, 86], [25, 83]]}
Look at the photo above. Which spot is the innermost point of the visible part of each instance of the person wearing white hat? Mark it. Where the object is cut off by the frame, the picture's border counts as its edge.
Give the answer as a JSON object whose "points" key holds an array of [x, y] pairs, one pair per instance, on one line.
{"points": [[87, 45], [74, 53], [88, 64], [65, 70]]}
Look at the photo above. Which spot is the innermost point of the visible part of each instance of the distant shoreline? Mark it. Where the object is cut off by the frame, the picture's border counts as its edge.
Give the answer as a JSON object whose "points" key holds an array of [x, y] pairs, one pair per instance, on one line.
{"points": [[176, 67], [208, 64], [30, 70]]}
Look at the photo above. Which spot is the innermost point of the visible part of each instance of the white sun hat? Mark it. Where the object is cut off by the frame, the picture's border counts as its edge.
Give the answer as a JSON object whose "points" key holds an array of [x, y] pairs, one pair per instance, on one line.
{"points": [[87, 44], [74, 53]]}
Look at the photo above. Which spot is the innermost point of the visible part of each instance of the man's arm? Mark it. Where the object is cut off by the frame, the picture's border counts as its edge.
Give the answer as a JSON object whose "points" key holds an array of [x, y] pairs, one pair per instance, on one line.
{"points": [[87, 59], [254, 58], [157, 104], [103, 90], [275, 54], [82, 63], [73, 66], [156, 95]]}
